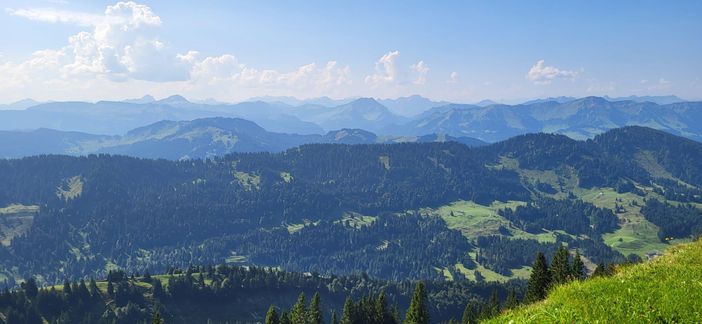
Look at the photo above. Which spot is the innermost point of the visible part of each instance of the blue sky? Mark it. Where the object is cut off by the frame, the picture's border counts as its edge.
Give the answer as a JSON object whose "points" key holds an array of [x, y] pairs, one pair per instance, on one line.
{"points": [[460, 51]]}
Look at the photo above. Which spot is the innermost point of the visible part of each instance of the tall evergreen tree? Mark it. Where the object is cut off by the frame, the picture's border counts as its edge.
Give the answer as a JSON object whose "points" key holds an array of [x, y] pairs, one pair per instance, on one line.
{"points": [[30, 288], [94, 291], [315, 312], [110, 288], [156, 318], [334, 320], [298, 314], [494, 304], [470, 314], [285, 318], [539, 281], [511, 301], [272, 316], [383, 313], [348, 316], [418, 311], [577, 270], [67, 287], [560, 267]]}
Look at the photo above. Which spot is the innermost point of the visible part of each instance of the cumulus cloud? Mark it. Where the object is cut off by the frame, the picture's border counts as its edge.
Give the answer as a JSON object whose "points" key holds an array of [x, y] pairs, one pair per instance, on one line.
{"points": [[121, 46], [421, 69], [453, 78], [385, 71], [540, 73], [226, 69]]}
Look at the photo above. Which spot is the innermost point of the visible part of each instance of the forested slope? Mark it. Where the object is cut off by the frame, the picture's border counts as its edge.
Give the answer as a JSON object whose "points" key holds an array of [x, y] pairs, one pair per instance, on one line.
{"points": [[400, 211]]}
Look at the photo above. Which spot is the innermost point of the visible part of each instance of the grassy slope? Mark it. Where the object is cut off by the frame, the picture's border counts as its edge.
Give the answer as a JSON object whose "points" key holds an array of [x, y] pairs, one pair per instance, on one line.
{"points": [[666, 289]]}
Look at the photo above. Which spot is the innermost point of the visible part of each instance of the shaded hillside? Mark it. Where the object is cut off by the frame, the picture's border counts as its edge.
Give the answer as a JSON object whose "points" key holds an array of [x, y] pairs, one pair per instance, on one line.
{"points": [[199, 138]]}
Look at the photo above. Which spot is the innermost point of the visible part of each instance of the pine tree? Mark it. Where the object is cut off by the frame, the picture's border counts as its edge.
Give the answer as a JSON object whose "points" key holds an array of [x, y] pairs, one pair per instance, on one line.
{"points": [[156, 318], [603, 270], [298, 314], [418, 312], [272, 316], [110, 288], [334, 320], [470, 314], [383, 314], [560, 267], [540, 280], [67, 287], [494, 305], [30, 288], [94, 291], [315, 312], [348, 316], [577, 268], [285, 318], [511, 301]]}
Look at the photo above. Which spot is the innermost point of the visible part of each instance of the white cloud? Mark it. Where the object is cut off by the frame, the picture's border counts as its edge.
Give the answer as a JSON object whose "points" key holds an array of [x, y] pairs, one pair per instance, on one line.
{"points": [[226, 69], [385, 71], [120, 45], [57, 16], [453, 78], [421, 70], [120, 48], [542, 74]]}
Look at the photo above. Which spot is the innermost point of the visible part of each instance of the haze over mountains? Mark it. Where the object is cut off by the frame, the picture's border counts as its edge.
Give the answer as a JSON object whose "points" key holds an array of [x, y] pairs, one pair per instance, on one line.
{"points": [[176, 128]]}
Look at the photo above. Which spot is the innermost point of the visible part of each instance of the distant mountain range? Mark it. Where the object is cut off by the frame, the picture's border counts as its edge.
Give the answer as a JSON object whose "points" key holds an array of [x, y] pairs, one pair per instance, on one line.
{"points": [[200, 138], [579, 119], [22, 104], [488, 121]]}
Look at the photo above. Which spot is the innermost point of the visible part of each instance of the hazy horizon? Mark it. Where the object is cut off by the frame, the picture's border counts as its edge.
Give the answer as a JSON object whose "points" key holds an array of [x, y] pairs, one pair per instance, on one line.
{"points": [[231, 51]]}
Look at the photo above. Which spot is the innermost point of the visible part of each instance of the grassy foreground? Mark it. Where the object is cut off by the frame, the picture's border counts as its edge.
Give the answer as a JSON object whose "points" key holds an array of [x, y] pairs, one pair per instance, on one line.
{"points": [[667, 289]]}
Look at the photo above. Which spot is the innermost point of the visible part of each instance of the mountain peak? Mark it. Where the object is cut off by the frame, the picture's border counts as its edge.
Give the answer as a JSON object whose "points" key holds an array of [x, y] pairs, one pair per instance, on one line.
{"points": [[365, 101], [174, 99], [143, 100]]}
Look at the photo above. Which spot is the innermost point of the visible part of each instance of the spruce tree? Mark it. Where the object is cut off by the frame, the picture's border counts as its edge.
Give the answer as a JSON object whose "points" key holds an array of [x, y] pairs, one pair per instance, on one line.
{"points": [[560, 267], [494, 305], [470, 314], [272, 316], [418, 312], [315, 312], [511, 301], [110, 288], [67, 287], [94, 291], [383, 314], [577, 268], [348, 316], [334, 320], [285, 318], [156, 318], [298, 314], [539, 281], [30, 288]]}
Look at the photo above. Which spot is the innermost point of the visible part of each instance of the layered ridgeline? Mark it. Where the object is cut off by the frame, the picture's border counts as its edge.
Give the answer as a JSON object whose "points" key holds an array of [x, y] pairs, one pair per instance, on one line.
{"points": [[440, 211], [415, 116], [664, 290], [200, 138]]}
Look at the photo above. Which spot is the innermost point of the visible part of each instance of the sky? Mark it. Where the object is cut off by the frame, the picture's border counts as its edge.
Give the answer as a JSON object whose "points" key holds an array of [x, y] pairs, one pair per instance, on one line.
{"points": [[461, 51]]}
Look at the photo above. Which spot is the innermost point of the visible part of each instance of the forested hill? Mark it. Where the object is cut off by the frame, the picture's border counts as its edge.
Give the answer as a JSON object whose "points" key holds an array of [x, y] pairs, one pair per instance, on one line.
{"points": [[400, 211]]}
